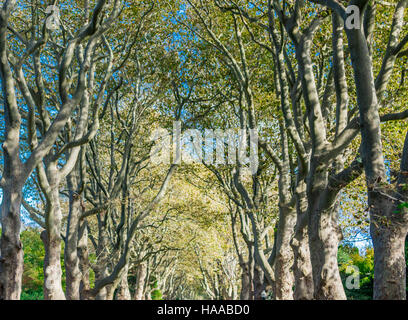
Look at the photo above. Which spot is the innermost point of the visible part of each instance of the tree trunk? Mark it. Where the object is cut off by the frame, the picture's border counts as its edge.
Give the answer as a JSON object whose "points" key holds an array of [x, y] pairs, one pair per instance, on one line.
{"points": [[11, 259], [388, 235], [103, 293], [51, 236], [246, 286], [284, 280], [259, 282], [326, 276], [52, 268], [83, 257], [140, 283], [258, 252], [123, 292], [324, 237], [324, 234], [234, 292], [72, 270], [102, 269], [302, 266], [110, 291]]}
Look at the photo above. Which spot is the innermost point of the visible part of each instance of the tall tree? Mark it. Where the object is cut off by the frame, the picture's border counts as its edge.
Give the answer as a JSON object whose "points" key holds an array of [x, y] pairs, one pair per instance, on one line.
{"points": [[388, 215], [39, 43]]}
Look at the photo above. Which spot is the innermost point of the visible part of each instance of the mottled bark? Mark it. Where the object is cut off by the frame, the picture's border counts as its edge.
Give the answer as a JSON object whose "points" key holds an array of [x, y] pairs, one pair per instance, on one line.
{"points": [[101, 270], [52, 267], [389, 260], [11, 259], [140, 282], [71, 259], [246, 279], [389, 228], [123, 292], [51, 236], [259, 282], [259, 254], [302, 266], [324, 237], [83, 257], [106, 291], [284, 280], [323, 247], [246, 285]]}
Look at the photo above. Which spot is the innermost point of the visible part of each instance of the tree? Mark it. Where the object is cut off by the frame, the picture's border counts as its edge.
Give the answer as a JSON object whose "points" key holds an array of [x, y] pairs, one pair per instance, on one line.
{"points": [[388, 216], [40, 42]]}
